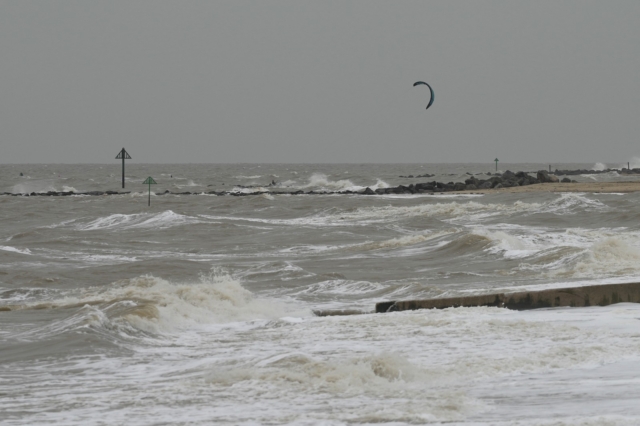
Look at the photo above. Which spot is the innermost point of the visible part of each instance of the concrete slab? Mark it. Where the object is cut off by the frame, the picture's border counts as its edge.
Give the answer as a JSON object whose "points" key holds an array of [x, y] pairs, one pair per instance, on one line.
{"points": [[596, 295]]}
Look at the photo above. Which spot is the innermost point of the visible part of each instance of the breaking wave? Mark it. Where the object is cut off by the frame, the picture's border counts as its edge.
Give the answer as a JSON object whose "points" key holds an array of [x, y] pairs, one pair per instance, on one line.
{"points": [[239, 190], [611, 257], [163, 220], [319, 180], [468, 210], [322, 182], [599, 166], [190, 183], [15, 250], [33, 186], [572, 203], [398, 242], [509, 245], [155, 305]]}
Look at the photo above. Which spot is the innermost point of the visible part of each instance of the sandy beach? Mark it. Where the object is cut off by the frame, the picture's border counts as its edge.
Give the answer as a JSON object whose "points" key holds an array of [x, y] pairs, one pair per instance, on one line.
{"points": [[593, 187]]}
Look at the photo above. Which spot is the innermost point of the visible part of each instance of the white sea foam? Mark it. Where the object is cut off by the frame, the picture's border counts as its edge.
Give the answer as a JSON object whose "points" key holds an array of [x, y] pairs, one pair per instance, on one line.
{"points": [[599, 166], [156, 305], [464, 211], [571, 204], [15, 250], [189, 183], [141, 194], [454, 212], [343, 287], [379, 184], [249, 190], [608, 257], [319, 180], [33, 186], [284, 271], [217, 298], [510, 245], [161, 220], [322, 182], [428, 362], [248, 177], [406, 240], [69, 189]]}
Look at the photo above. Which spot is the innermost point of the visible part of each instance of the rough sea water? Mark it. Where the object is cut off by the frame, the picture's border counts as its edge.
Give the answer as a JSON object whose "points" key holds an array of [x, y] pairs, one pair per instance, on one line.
{"points": [[200, 309]]}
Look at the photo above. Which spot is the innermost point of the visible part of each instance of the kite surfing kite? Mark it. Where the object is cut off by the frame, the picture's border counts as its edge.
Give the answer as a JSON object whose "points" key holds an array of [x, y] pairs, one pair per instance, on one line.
{"points": [[422, 82]]}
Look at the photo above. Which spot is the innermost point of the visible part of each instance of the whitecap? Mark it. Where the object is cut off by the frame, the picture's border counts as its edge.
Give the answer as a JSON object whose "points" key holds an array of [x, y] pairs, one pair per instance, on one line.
{"points": [[161, 220], [15, 250], [599, 166]]}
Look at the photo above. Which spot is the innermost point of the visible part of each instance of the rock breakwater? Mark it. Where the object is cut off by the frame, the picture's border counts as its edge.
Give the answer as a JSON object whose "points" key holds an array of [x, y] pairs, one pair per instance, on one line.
{"points": [[507, 179]]}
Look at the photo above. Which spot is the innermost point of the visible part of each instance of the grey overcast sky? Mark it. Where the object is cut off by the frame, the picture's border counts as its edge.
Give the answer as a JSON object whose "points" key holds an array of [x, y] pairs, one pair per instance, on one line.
{"points": [[319, 81]]}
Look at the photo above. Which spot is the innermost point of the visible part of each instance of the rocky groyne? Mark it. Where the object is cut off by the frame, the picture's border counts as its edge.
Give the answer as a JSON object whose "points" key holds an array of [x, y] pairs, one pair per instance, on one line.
{"points": [[623, 171], [507, 179]]}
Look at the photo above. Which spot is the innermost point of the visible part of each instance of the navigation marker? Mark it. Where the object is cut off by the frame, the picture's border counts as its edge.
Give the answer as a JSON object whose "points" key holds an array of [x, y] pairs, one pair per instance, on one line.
{"points": [[149, 181], [496, 160], [125, 156]]}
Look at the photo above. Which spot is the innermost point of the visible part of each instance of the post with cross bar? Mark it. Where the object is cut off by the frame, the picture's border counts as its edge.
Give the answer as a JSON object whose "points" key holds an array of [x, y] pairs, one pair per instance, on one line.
{"points": [[150, 182], [496, 160], [125, 156]]}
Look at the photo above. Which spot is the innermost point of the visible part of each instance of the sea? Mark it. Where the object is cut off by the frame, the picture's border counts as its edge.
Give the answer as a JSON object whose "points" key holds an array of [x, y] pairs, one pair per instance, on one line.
{"points": [[208, 310]]}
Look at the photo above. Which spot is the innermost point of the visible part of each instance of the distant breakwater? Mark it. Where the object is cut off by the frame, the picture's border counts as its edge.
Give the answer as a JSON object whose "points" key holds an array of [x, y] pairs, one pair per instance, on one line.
{"points": [[505, 180], [623, 171]]}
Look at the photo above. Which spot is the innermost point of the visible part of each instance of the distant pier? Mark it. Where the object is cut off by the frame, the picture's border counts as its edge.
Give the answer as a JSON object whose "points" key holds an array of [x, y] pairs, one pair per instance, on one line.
{"points": [[596, 295]]}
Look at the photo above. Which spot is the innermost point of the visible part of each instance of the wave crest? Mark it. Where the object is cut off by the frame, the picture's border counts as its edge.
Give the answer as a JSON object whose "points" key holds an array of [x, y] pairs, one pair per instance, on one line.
{"points": [[161, 220]]}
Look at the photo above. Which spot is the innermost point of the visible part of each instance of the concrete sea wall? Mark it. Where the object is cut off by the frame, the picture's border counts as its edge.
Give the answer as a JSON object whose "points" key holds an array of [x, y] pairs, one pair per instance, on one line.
{"points": [[597, 295]]}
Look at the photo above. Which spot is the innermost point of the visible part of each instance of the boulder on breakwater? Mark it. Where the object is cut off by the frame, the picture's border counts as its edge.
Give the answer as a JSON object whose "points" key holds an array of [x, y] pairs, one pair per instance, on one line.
{"points": [[625, 171], [505, 180], [426, 175], [544, 177]]}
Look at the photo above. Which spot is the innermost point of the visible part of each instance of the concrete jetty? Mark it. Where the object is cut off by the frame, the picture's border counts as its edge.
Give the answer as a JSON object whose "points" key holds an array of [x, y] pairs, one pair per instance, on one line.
{"points": [[596, 295]]}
